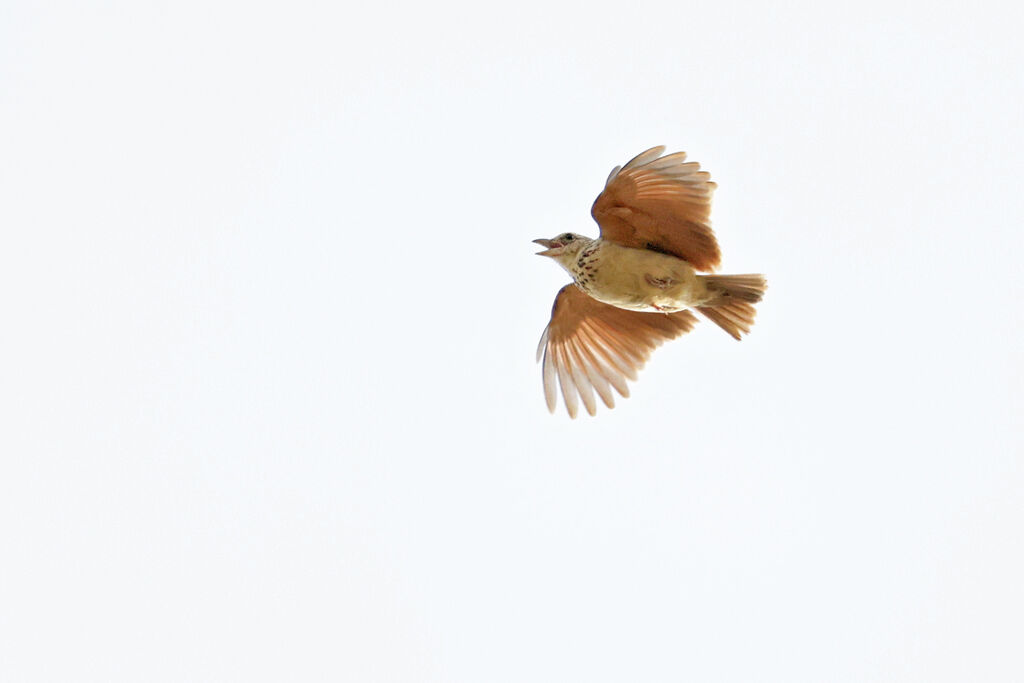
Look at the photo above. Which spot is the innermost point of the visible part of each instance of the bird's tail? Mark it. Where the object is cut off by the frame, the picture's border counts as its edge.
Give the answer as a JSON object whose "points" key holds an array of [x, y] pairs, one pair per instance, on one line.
{"points": [[732, 305]]}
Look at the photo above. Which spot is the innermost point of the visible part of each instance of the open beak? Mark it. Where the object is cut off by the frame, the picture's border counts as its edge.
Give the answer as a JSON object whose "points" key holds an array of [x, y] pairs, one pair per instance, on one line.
{"points": [[551, 245]]}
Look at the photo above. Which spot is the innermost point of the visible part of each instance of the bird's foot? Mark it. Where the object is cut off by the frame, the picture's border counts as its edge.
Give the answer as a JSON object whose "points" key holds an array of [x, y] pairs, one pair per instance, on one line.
{"points": [[659, 282]]}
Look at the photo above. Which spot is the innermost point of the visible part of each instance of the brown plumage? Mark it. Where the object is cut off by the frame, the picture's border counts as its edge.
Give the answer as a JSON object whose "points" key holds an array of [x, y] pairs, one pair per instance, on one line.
{"points": [[592, 346], [632, 286], [660, 203]]}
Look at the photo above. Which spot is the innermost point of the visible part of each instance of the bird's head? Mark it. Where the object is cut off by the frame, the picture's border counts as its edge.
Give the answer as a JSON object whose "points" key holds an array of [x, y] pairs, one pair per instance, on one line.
{"points": [[564, 248]]}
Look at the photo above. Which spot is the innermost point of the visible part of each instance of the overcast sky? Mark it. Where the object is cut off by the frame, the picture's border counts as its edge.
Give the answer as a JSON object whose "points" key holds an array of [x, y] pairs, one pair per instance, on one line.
{"points": [[270, 409]]}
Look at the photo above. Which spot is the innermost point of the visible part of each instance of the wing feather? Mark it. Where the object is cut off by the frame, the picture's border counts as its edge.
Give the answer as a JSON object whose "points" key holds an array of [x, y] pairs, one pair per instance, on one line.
{"points": [[644, 157], [550, 381], [660, 202], [593, 369], [583, 386], [566, 382], [608, 363], [590, 347]]}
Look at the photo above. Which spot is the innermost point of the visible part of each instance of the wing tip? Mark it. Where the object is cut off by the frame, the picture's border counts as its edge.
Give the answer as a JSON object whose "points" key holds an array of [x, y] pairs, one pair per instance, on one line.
{"points": [[645, 157]]}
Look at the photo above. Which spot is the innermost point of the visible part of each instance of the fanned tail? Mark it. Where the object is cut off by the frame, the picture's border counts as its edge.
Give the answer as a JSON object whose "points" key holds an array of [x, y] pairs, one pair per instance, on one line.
{"points": [[732, 306]]}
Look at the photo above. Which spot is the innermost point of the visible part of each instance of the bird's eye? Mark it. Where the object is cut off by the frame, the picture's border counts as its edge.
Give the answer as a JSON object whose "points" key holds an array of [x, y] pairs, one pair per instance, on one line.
{"points": [[568, 238]]}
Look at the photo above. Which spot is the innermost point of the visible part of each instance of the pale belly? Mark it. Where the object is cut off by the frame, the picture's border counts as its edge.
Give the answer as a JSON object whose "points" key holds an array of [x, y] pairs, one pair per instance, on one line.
{"points": [[642, 280]]}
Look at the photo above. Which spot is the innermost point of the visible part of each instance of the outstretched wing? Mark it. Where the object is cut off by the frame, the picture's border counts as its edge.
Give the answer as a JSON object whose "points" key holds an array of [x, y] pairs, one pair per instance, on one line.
{"points": [[660, 203], [591, 347]]}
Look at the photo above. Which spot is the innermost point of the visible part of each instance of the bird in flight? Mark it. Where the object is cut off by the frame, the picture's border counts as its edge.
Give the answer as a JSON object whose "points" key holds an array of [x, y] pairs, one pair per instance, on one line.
{"points": [[632, 286]]}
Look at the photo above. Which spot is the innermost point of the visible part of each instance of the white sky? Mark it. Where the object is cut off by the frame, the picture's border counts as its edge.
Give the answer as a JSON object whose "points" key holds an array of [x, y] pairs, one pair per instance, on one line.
{"points": [[270, 409]]}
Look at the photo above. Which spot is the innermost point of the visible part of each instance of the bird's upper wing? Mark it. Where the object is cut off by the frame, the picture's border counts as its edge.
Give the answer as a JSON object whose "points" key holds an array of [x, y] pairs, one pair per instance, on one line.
{"points": [[661, 203], [591, 346]]}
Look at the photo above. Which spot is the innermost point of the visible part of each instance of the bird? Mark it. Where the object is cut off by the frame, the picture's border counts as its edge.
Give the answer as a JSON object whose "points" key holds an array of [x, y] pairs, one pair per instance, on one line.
{"points": [[636, 285]]}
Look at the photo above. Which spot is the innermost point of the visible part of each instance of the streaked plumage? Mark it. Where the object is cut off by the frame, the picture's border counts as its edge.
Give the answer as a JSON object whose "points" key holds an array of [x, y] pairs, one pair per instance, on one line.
{"points": [[632, 285]]}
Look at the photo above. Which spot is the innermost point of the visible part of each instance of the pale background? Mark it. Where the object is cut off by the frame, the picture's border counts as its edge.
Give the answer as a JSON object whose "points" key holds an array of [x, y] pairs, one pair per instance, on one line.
{"points": [[270, 409]]}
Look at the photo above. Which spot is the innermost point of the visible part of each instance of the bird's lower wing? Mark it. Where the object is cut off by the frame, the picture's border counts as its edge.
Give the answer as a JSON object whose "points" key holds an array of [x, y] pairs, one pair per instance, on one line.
{"points": [[591, 347]]}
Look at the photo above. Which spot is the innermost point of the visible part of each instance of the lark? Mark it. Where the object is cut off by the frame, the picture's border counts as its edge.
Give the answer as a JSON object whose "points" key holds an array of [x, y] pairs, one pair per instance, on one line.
{"points": [[636, 285]]}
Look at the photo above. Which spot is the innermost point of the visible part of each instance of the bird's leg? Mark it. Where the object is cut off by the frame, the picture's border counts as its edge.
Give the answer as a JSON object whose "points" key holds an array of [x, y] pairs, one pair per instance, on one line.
{"points": [[659, 282]]}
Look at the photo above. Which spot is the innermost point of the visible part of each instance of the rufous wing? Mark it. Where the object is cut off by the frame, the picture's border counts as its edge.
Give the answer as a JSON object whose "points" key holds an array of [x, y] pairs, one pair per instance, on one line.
{"points": [[661, 203], [591, 347]]}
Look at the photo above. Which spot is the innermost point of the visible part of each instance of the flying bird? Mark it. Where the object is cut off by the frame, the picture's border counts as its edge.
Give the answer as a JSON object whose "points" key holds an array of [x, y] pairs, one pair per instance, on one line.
{"points": [[632, 286]]}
